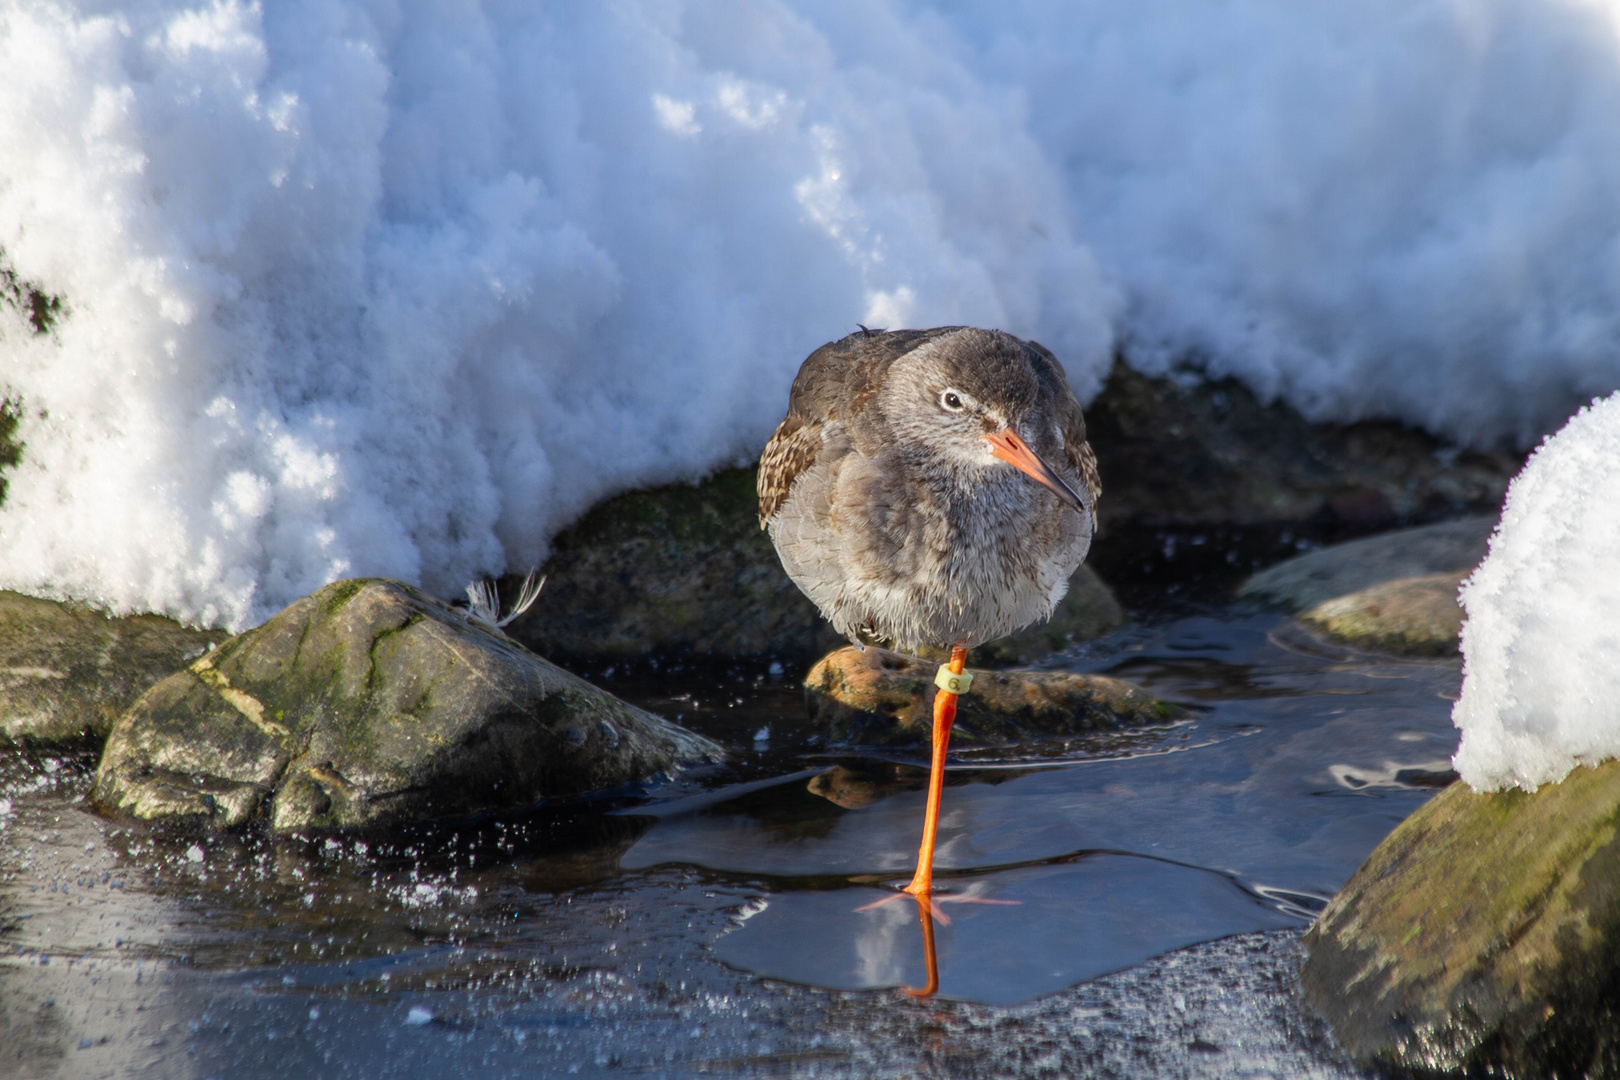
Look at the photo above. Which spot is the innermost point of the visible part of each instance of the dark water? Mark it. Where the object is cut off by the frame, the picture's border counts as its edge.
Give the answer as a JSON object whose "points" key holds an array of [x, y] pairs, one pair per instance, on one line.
{"points": [[1124, 906]]}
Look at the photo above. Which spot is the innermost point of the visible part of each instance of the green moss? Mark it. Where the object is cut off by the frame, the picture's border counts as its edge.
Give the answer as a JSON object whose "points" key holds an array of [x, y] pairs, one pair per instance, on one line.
{"points": [[719, 510], [11, 447], [338, 594]]}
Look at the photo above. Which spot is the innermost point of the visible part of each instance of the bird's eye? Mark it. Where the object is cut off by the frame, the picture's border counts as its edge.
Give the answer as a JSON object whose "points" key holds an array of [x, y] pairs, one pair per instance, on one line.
{"points": [[951, 400]]}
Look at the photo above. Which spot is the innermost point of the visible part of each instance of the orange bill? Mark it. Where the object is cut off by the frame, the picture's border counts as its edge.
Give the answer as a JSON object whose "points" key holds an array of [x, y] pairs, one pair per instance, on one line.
{"points": [[1009, 447]]}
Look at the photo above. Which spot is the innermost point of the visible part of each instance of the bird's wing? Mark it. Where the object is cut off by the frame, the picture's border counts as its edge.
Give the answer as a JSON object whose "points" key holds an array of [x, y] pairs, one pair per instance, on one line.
{"points": [[791, 451], [1071, 421], [835, 383]]}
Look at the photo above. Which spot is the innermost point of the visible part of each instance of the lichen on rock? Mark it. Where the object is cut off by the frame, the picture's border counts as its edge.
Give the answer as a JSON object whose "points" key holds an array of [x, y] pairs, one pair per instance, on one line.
{"points": [[371, 703], [1415, 616]]}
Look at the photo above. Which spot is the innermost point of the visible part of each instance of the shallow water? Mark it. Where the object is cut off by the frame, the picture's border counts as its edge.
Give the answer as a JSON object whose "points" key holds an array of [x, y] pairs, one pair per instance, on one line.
{"points": [[1146, 896]]}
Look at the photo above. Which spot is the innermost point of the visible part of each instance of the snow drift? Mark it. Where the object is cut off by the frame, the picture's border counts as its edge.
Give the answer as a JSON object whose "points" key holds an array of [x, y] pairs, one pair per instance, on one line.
{"points": [[360, 286]]}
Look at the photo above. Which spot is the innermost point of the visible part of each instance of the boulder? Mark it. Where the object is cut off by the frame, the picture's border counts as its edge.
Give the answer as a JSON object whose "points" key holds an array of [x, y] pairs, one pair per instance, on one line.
{"points": [[1415, 616], [686, 569], [1304, 582], [882, 698], [1482, 935], [67, 672], [371, 703], [683, 568]]}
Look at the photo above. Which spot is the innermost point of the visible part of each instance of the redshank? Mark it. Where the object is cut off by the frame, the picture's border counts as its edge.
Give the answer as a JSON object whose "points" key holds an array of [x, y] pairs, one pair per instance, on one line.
{"points": [[931, 488]]}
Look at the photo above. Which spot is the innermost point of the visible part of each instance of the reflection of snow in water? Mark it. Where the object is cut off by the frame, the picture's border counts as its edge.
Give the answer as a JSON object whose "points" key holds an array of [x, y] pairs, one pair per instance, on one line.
{"points": [[887, 943]]}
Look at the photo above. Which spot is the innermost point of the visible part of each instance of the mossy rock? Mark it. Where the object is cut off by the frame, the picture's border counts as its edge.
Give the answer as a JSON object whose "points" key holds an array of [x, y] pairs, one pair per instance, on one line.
{"points": [[1312, 579], [683, 568], [369, 703], [1418, 616], [1482, 935], [67, 672], [882, 698]]}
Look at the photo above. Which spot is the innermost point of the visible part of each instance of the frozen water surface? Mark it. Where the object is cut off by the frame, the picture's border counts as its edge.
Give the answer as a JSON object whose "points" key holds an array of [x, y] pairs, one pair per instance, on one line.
{"points": [[709, 924]]}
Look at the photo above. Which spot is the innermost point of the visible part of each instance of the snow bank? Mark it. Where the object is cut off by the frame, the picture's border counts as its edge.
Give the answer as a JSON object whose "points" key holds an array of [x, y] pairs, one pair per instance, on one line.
{"points": [[400, 288], [1541, 684]]}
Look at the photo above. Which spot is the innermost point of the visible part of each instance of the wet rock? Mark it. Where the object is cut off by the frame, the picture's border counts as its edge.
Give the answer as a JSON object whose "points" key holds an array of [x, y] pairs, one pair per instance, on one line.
{"points": [[1185, 452], [886, 699], [67, 672], [370, 703], [1452, 547], [1482, 935], [1416, 616], [687, 569], [1396, 592]]}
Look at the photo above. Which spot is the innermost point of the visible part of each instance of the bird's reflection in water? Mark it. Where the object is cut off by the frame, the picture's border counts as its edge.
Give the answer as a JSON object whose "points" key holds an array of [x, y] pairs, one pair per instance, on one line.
{"points": [[929, 912]]}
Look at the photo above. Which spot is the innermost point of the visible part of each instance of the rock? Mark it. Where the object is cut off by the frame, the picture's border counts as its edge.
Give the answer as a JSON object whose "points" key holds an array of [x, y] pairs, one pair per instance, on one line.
{"points": [[1482, 935], [684, 568], [370, 703], [882, 698], [687, 569], [1396, 591], [1186, 452], [1416, 616], [67, 672], [1302, 583]]}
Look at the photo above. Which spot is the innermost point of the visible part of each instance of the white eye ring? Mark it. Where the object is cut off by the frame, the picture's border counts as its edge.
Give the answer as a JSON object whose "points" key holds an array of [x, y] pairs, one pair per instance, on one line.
{"points": [[951, 400]]}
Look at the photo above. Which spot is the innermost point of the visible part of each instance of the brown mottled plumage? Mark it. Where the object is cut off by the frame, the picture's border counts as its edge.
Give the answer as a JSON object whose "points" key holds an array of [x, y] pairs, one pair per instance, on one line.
{"points": [[890, 505]]}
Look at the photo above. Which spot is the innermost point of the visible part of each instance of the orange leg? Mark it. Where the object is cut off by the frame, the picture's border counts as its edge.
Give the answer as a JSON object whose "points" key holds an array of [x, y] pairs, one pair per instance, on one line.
{"points": [[922, 883]]}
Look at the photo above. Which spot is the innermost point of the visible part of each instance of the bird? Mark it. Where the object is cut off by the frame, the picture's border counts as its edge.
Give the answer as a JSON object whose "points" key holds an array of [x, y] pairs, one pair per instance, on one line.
{"points": [[929, 489]]}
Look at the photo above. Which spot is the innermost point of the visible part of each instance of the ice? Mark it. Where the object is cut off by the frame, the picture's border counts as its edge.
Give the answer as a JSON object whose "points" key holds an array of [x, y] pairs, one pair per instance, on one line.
{"points": [[1541, 688], [366, 288]]}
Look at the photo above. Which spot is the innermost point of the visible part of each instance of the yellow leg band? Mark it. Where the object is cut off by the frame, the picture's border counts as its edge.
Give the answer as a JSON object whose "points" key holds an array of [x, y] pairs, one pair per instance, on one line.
{"points": [[946, 679]]}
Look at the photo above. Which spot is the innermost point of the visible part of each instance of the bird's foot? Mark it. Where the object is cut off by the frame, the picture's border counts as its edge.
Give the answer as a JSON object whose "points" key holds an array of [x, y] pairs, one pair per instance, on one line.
{"points": [[931, 900]]}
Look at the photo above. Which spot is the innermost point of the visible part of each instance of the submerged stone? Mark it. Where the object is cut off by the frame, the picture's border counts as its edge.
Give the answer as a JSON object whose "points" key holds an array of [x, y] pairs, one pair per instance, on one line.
{"points": [[371, 703], [1482, 935], [884, 698], [67, 672]]}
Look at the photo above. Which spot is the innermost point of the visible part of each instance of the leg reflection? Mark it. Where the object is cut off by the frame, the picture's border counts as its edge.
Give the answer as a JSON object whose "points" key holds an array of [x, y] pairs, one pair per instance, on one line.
{"points": [[929, 913], [926, 915]]}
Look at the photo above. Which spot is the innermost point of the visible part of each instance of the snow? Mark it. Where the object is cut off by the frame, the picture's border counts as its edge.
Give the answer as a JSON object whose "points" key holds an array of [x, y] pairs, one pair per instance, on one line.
{"points": [[1541, 688], [369, 287]]}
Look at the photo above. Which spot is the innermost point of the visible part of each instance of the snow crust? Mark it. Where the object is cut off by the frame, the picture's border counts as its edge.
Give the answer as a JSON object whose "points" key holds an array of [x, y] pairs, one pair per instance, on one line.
{"points": [[1541, 685], [390, 287]]}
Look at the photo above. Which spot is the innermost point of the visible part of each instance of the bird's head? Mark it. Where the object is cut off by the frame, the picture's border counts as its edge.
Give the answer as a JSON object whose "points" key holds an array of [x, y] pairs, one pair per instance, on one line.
{"points": [[973, 403]]}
